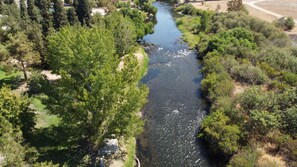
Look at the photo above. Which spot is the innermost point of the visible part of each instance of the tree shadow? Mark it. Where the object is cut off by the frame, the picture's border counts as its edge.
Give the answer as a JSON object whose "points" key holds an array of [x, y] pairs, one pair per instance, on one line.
{"points": [[53, 144], [13, 81]]}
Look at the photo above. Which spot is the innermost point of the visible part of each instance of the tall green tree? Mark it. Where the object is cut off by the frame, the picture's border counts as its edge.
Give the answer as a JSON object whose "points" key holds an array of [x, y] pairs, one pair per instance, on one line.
{"points": [[60, 18], [72, 17], [33, 12], [93, 91], [16, 120], [83, 10], [22, 50], [23, 10], [124, 32], [46, 21]]}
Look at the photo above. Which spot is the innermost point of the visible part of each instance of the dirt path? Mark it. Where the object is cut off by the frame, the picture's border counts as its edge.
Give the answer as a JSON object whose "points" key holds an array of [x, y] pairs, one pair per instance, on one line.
{"points": [[253, 4]]}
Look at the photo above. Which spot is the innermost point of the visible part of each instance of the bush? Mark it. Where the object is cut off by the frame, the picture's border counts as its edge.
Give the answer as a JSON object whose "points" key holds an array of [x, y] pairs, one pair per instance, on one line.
{"points": [[285, 23], [261, 122], [289, 121], [221, 136], [215, 85], [247, 157], [249, 74], [290, 78]]}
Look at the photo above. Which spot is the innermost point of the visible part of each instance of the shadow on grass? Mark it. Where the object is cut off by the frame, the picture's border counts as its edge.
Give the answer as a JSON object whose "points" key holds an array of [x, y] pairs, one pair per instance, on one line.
{"points": [[13, 81], [52, 144]]}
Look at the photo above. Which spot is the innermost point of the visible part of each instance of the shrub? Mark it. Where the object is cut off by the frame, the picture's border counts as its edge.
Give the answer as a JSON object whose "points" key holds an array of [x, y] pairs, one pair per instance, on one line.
{"points": [[261, 122], [289, 121], [249, 74], [247, 157], [221, 136], [285, 23], [290, 78]]}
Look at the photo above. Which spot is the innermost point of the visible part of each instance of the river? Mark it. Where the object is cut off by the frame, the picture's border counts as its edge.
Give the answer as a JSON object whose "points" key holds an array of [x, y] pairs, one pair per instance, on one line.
{"points": [[175, 106]]}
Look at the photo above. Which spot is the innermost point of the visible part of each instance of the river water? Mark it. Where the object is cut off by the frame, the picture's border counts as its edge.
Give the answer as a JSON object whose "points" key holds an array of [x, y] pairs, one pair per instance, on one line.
{"points": [[175, 107]]}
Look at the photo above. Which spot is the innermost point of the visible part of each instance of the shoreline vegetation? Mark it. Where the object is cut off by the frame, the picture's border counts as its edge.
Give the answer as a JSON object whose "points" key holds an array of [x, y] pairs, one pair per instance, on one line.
{"points": [[250, 80], [64, 120]]}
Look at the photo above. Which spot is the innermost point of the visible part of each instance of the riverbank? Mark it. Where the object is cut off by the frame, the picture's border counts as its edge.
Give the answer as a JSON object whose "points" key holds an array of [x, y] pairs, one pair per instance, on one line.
{"points": [[128, 147], [249, 67]]}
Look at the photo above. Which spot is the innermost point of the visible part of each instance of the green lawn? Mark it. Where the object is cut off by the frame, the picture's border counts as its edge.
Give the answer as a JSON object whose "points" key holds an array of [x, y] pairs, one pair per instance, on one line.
{"points": [[44, 119]]}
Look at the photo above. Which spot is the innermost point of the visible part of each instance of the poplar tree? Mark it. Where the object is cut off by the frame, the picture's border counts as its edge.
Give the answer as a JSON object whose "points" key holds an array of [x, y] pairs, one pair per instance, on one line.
{"points": [[60, 18], [23, 10], [94, 98], [33, 12], [46, 22], [71, 16], [83, 10]]}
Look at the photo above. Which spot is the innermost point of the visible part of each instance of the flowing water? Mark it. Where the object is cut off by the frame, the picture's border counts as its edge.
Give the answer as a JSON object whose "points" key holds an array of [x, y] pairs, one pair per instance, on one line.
{"points": [[175, 107]]}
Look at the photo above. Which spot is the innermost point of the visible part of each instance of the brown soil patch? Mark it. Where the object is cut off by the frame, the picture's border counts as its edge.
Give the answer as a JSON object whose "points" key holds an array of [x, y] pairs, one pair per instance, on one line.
{"points": [[238, 88]]}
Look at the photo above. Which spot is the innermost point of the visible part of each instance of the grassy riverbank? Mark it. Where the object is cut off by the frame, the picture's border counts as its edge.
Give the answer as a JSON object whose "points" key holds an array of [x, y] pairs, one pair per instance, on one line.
{"points": [[250, 78]]}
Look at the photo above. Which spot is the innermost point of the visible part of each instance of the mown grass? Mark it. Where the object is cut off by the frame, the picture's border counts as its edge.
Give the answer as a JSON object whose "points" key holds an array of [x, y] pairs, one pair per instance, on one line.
{"points": [[11, 78], [44, 119], [131, 149]]}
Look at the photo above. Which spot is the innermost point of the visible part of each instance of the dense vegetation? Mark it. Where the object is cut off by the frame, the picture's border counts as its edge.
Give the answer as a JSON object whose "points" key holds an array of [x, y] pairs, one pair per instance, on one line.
{"points": [[96, 95], [250, 78]]}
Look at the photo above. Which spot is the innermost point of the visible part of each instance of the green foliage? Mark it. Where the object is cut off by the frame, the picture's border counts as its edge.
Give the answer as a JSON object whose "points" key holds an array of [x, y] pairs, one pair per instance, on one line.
{"points": [[250, 51], [222, 136], [290, 78], [38, 84], [22, 49], [72, 17], [46, 21], [33, 11], [289, 120], [83, 9], [237, 41], [285, 23], [249, 74], [138, 19], [123, 31], [216, 85], [246, 157], [60, 18], [11, 149], [23, 10], [261, 122], [16, 111], [94, 98]]}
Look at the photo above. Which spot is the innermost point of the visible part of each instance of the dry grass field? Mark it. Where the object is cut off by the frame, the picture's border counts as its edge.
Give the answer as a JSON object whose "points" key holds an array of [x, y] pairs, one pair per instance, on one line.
{"points": [[268, 10]]}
